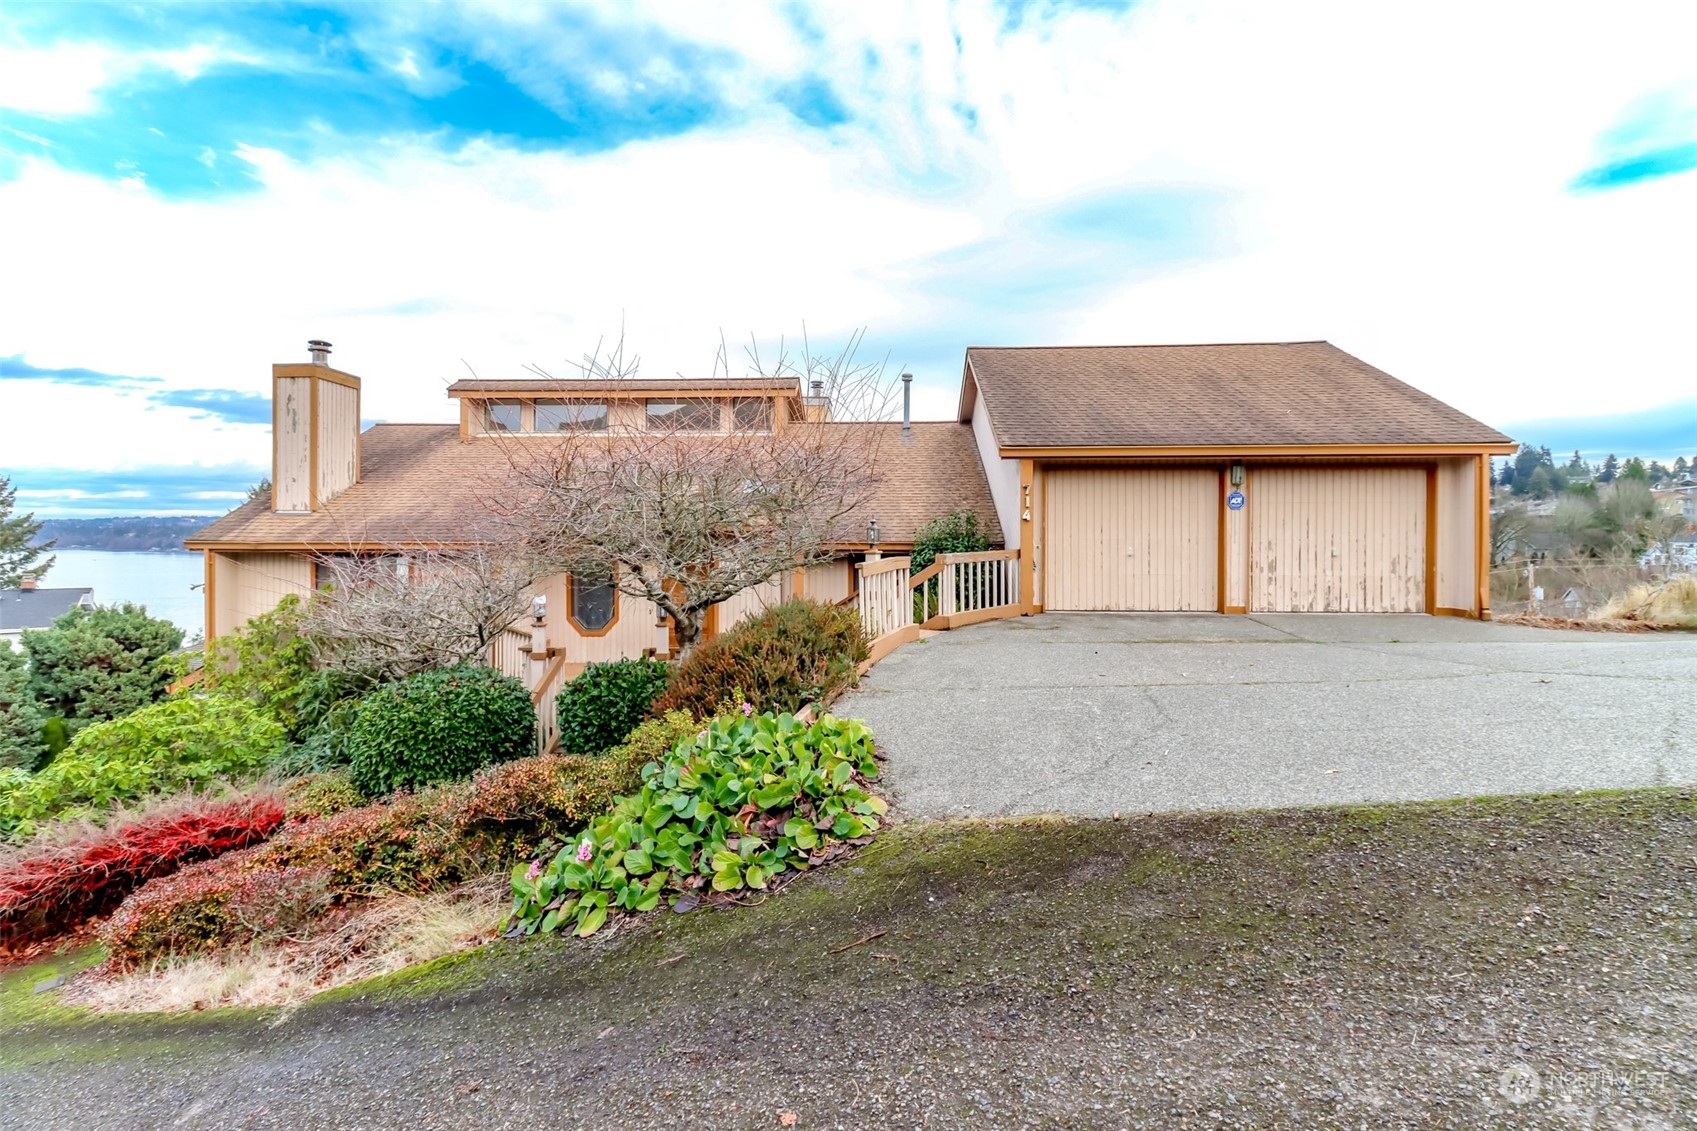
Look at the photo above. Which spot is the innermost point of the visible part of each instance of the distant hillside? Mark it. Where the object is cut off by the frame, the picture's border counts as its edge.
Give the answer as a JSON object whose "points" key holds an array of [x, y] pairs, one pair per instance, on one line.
{"points": [[122, 533]]}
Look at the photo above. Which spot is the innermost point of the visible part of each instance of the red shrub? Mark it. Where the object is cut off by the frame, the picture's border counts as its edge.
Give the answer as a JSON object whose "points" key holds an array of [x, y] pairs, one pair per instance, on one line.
{"points": [[207, 905], [48, 889]]}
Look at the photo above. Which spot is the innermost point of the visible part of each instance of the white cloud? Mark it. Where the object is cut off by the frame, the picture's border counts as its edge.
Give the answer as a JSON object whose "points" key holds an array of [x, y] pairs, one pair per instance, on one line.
{"points": [[1397, 183]]}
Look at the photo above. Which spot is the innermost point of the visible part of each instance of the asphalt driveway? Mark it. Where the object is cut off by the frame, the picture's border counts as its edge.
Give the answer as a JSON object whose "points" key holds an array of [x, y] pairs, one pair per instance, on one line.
{"points": [[1097, 713]]}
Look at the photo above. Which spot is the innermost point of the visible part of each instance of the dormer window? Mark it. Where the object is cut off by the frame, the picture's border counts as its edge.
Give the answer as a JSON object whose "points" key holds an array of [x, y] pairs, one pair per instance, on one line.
{"points": [[751, 414], [502, 416], [694, 414], [571, 416]]}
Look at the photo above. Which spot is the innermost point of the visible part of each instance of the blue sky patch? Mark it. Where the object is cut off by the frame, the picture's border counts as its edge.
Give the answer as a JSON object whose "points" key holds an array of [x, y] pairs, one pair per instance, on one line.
{"points": [[1663, 433], [1655, 137], [224, 404], [15, 368], [79, 492]]}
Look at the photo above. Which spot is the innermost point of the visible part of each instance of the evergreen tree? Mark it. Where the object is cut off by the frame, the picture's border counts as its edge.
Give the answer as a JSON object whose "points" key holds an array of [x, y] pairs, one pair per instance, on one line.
{"points": [[1634, 469], [1542, 484], [1611, 466], [17, 556], [20, 716], [1658, 472], [1577, 469], [1680, 467], [101, 663]]}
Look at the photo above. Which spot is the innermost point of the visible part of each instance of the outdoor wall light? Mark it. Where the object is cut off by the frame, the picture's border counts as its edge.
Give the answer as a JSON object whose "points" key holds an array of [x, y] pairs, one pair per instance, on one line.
{"points": [[872, 532], [539, 609], [1237, 475]]}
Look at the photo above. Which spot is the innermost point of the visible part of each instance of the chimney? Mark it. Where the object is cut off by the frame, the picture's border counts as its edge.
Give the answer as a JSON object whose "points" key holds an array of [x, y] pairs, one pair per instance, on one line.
{"points": [[907, 407], [816, 406], [27, 581], [314, 432]]}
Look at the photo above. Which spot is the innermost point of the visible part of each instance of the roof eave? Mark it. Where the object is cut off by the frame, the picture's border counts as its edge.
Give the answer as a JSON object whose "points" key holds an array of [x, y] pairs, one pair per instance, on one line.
{"points": [[1242, 451]]}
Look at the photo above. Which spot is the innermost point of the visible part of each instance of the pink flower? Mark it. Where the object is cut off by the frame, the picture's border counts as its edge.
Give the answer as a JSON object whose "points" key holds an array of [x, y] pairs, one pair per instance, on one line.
{"points": [[585, 852], [701, 736], [534, 871], [747, 709]]}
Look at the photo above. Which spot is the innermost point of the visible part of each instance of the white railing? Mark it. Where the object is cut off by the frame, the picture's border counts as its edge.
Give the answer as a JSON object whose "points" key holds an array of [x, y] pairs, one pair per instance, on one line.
{"points": [[509, 654], [548, 685], [986, 582], [884, 598]]}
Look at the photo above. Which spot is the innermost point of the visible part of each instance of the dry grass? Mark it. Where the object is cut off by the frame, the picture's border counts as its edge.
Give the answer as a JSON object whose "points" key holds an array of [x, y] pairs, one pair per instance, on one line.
{"points": [[380, 937], [1531, 620], [1671, 603]]}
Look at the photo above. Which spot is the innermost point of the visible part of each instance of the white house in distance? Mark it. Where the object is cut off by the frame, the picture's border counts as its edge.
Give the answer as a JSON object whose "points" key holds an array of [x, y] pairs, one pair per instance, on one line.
{"points": [[31, 606]]}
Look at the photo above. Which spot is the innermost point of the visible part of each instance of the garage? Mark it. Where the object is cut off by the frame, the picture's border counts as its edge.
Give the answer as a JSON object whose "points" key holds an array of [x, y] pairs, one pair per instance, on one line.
{"points": [[1251, 477], [1338, 540], [1145, 539]]}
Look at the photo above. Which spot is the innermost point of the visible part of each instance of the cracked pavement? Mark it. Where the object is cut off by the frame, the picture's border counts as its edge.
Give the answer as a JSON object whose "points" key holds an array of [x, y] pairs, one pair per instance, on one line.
{"points": [[1096, 713]]}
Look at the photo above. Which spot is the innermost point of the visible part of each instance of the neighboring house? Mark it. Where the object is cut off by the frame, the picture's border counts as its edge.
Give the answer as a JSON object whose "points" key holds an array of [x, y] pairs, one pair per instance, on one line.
{"points": [[1678, 554], [1225, 478], [30, 606]]}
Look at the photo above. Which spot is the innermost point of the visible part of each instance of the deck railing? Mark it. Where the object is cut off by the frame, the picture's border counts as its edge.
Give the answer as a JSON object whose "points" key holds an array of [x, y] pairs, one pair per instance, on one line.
{"points": [[548, 686], [885, 606], [954, 590]]}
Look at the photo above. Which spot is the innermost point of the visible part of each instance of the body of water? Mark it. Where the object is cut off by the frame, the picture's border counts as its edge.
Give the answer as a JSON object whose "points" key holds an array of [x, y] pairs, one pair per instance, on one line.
{"points": [[168, 583]]}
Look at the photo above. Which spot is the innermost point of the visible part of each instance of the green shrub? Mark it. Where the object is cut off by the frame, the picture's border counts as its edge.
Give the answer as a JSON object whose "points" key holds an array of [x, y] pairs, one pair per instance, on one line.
{"points": [[439, 726], [605, 703], [321, 794], [174, 745], [745, 801], [267, 661], [955, 533], [792, 654], [101, 663]]}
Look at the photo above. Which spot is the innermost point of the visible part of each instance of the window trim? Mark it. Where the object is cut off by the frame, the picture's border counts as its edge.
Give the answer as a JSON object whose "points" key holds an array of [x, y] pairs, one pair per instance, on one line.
{"points": [[504, 402], [571, 610]]}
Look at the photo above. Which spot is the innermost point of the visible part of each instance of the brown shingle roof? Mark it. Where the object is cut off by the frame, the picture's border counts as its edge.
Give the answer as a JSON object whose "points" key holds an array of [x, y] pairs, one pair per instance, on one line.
{"points": [[419, 485], [530, 386], [1273, 393]]}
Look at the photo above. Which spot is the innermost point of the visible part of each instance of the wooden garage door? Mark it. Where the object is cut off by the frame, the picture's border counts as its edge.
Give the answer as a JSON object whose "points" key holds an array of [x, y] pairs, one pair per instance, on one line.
{"points": [[1133, 539], [1337, 540]]}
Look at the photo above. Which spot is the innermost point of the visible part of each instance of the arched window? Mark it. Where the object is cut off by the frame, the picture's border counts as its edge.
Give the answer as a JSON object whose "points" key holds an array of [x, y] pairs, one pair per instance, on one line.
{"points": [[592, 605]]}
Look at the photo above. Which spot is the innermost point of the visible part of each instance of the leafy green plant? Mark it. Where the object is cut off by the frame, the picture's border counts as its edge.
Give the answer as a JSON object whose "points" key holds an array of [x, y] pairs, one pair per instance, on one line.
{"points": [[101, 663], [747, 800], [267, 661], [174, 745], [320, 795], [792, 654], [606, 702], [438, 726], [954, 533]]}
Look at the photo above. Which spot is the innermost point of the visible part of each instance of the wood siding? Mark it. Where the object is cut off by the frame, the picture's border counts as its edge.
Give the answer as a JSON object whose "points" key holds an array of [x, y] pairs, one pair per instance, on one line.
{"points": [[1345, 540], [246, 585], [1458, 505], [338, 439], [829, 582], [752, 601], [1134, 539], [291, 430], [1236, 526]]}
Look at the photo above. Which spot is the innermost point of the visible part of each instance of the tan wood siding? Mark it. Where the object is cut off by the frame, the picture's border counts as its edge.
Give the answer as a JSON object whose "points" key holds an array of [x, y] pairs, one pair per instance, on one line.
{"points": [[1345, 540], [829, 582], [1237, 548], [1458, 500], [338, 439], [749, 602], [246, 585], [291, 425], [1143, 539]]}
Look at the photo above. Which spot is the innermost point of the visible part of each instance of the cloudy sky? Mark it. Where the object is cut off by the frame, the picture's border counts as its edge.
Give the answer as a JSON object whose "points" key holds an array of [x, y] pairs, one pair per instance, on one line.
{"points": [[1496, 202]]}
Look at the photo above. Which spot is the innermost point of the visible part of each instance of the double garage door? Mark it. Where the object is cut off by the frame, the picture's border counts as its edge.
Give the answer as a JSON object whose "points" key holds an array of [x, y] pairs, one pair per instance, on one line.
{"points": [[1335, 539]]}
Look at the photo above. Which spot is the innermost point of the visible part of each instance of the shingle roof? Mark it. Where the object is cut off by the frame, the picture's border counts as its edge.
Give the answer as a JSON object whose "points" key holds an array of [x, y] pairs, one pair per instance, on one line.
{"points": [[36, 608], [420, 485], [1274, 393], [528, 386]]}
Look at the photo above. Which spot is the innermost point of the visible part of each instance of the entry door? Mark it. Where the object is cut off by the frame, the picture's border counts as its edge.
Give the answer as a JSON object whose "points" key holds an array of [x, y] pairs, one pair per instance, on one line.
{"points": [[1144, 539], [1337, 540]]}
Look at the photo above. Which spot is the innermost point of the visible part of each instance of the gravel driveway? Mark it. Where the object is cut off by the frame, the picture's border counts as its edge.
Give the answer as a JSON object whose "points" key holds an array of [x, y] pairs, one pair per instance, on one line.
{"points": [[1096, 713]]}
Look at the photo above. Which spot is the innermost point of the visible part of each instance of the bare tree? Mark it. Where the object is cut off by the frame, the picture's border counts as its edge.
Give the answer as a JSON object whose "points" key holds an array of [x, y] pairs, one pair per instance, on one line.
{"points": [[685, 518], [391, 615]]}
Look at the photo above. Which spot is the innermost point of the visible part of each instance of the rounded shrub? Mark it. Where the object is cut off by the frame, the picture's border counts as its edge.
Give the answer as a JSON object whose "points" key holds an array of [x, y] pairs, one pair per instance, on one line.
{"points": [[791, 654], [602, 706], [438, 726]]}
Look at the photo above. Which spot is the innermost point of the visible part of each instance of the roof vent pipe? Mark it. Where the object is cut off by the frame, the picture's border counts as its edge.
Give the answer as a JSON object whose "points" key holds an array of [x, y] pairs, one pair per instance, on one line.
{"points": [[320, 351], [907, 406]]}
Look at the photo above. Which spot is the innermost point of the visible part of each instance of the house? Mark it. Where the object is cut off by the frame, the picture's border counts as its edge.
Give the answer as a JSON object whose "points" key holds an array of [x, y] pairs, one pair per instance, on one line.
{"points": [[30, 606], [1677, 555], [1274, 477], [400, 488]]}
